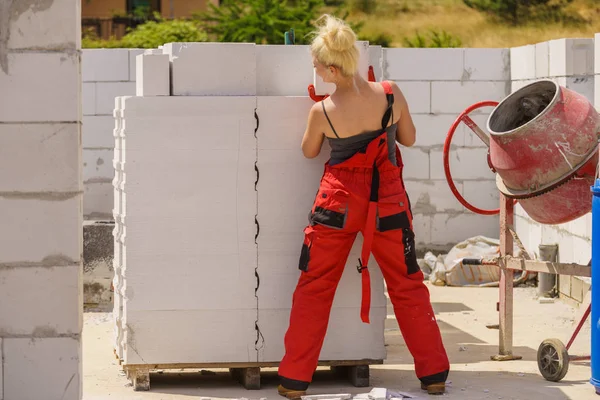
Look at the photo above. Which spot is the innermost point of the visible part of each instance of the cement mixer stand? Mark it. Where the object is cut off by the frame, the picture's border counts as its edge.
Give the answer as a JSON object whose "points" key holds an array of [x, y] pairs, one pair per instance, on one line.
{"points": [[519, 126]]}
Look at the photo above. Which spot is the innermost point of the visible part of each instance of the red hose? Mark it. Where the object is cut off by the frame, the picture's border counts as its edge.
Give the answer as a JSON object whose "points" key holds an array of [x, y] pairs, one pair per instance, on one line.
{"points": [[447, 143]]}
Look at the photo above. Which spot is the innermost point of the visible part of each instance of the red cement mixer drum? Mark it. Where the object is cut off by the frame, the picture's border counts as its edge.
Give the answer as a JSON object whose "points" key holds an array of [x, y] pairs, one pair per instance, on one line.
{"points": [[544, 148]]}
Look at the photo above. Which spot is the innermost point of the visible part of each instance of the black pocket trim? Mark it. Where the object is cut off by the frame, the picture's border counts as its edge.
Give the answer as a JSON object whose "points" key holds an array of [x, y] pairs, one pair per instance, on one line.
{"points": [[410, 252], [391, 222], [304, 257], [329, 218]]}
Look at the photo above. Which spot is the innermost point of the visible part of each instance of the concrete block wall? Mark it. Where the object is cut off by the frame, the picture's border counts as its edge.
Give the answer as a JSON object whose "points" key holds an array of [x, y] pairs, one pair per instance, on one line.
{"points": [[40, 201], [106, 74], [439, 84], [570, 63]]}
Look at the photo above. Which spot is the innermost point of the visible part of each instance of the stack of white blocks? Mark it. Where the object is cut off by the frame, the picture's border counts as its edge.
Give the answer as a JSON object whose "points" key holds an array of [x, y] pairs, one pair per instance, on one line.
{"points": [[211, 196], [439, 84], [106, 74]]}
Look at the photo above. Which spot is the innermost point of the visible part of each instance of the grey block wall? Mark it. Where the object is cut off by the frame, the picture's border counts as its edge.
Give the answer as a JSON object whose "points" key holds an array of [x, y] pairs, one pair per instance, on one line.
{"points": [[40, 200]]}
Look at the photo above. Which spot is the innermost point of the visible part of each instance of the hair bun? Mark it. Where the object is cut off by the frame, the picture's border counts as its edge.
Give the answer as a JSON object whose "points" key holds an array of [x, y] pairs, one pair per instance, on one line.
{"points": [[337, 35]]}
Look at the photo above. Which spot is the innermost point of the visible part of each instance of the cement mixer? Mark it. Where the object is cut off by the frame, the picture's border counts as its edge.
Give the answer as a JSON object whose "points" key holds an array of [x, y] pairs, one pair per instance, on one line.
{"points": [[543, 148]]}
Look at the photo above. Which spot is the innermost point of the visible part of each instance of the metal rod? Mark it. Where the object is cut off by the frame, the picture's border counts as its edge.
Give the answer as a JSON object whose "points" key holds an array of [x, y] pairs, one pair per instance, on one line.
{"points": [[579, 326], [506, 278], [477, 130]]}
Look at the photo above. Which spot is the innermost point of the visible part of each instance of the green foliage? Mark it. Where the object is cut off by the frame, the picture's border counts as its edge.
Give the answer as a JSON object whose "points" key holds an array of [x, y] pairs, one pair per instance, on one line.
{"points": [[260, 21], [151, 35], [364, 6], [518, 12], [437, 39]]}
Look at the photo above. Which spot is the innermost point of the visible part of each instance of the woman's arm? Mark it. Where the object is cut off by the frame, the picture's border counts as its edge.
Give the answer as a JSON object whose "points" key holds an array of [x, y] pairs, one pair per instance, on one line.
{"points": [[406, 134], [313, 136]]}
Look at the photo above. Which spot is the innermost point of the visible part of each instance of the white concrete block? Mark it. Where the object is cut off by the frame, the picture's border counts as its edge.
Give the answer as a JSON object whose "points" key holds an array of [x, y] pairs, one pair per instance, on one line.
{"points": [[487, 64], [106, 93], [597, 53], [542, 60], [195, 336], [582, 250], [39, 157], [98, 200], [421, 228], [583, 85], [1, 373], [597, 92], [51, 26], [430, 197], [283, 70], [470, 139], [418, 96], [43, 86], [105, 65], [153, 75], [416, 163], [522, 62], [97, 132], [52, 221], [516, 85], [581, 226], [228, 69], [449, 229], [571, 57], [140, 109], [365, 342], [481, 194], [55, 363], [133, 53], [97, 165], [49, 306], [433, 129], [465, 163], [455, 97], [88, 95], [423, 64], [376, 61]]}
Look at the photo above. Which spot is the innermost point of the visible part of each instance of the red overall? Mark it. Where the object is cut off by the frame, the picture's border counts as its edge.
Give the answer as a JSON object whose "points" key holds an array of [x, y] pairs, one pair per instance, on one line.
{"points": [[362, 194]]}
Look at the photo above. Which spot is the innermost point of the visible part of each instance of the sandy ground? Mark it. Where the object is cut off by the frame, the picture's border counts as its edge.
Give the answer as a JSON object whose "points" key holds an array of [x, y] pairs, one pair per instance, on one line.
{"points": [[463, 314]]}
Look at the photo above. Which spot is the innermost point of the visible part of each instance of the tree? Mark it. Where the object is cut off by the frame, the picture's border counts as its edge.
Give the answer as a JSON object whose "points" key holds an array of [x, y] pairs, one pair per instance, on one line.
{"points": [[518, 11], [260, 21]]}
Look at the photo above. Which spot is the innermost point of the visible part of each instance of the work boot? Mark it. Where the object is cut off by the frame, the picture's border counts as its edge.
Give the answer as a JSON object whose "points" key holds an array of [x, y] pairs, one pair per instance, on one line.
{"points": [[290, 394], [434, 388]]}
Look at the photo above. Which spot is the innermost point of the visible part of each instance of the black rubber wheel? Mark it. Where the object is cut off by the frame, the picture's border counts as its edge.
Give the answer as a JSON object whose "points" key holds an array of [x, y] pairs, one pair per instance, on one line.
{"points": [[553, 360]]}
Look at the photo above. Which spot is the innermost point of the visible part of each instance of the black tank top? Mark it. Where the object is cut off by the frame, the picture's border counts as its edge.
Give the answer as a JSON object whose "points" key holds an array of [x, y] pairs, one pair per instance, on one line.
{"points": [[343, 149]]}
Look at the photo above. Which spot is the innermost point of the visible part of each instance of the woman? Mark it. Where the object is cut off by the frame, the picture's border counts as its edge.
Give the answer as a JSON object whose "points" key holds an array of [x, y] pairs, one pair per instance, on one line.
{"points": [[361, 191]]}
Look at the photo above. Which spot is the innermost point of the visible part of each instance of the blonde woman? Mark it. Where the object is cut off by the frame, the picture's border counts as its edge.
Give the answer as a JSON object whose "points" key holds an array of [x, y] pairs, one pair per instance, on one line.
{"points": [[361, 191]]}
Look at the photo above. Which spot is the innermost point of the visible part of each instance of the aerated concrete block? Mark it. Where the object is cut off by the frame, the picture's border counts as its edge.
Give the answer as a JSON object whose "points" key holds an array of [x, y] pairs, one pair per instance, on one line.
{"points": [[52, 221], [455, 97], [482, 194], [542, 60], [44, 87], [105, 65], [522, 63], [106, 92], [421, 229], [597, 92], [153, 75], [454, 228], [97, 166], [98, 200], [228, 69], [423, 64], [430, 197], [433, 129], [465, 163], [49, 306], [418, 96], [487, 65], [51, 162], [583, 85], [376, 61], [133, 53], [283, 70], [190, 336], [416, 162], [571, 57], [54, 362], [49, 26], [97, 132]]}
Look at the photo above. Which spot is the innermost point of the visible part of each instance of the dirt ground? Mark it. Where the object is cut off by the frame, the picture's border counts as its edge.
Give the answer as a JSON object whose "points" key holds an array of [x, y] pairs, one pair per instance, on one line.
{"points": [[463, 314]]}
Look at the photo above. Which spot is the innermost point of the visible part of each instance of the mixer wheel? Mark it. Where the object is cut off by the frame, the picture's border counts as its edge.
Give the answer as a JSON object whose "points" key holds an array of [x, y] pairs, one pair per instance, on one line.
{"points": [[553, 360]]}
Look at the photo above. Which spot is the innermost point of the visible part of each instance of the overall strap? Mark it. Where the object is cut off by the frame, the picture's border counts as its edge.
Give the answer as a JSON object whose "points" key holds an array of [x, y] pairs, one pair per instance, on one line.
{"points": [[389, 112], [328, 120]]}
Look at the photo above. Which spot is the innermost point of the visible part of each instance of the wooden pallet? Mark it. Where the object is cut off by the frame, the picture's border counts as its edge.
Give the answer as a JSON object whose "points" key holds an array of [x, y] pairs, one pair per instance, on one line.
{"points": [[248, 374]]}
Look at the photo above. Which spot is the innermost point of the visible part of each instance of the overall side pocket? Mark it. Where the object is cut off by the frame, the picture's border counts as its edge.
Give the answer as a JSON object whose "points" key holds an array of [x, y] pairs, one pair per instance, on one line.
{"points": [[305, 251], [330, 208]]}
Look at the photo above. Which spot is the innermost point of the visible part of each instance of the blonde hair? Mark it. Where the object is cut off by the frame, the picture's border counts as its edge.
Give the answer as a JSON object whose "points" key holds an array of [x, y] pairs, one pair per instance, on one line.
{"points": [[335, 44]]}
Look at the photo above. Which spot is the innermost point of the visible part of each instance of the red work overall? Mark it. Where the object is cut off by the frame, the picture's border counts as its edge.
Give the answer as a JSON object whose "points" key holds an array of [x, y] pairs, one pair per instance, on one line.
{"points": [[362, 194]]}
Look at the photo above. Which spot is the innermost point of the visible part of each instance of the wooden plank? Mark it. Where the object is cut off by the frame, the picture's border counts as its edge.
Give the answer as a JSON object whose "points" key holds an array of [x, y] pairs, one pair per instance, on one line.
{"points": [[235, 365], [514, 263]]}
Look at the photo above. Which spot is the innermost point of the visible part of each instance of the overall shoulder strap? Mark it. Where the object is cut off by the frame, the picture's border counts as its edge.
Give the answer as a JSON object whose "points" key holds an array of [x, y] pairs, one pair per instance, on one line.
{"points": [[328, 120], [389, 112]]}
